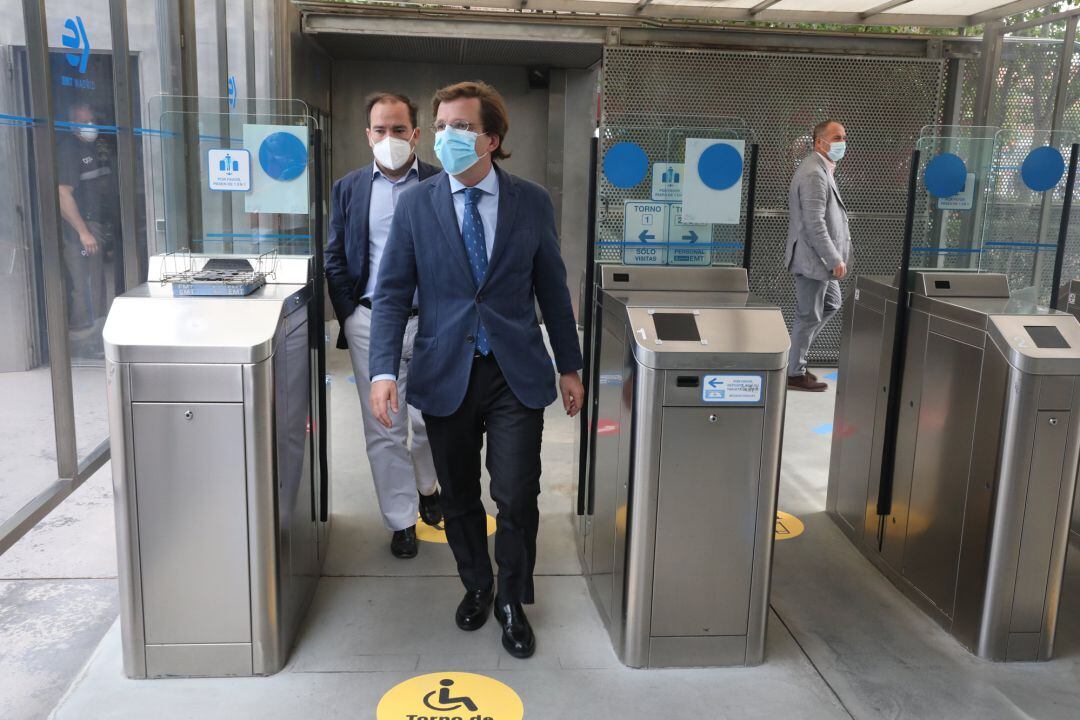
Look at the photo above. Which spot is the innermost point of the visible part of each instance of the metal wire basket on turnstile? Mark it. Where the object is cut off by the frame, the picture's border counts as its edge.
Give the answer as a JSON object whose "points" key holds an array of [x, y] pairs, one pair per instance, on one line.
{"points": [[216, 276]]}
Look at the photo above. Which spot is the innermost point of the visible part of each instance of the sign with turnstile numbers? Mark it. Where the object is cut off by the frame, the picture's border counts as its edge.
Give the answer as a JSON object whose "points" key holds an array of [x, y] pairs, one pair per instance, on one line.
{"points": [[688, 243], [645, 230]]}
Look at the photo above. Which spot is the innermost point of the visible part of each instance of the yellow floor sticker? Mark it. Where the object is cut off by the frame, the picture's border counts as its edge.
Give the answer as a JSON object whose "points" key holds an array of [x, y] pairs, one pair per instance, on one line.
{"points": [[788, 526], [450, 696], [436, 534]]}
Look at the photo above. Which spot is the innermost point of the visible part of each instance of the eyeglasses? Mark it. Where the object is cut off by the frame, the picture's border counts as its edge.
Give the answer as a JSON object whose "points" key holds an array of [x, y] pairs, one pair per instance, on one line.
{"points": [[440, 125]]}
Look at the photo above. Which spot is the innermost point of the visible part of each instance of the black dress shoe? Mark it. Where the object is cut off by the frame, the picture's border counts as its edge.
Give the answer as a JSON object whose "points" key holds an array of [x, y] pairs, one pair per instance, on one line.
{"points": [[517, 634], [403, 544], [430, 512], [472, 611]]}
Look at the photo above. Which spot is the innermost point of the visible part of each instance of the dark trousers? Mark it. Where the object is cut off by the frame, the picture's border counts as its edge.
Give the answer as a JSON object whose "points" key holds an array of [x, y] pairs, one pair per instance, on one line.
{"points": [[513, 462]]}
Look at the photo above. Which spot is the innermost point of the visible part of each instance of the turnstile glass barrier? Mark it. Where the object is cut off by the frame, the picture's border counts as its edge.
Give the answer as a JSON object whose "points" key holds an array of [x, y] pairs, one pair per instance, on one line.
{"points": [[681, 499], [986, 454]]}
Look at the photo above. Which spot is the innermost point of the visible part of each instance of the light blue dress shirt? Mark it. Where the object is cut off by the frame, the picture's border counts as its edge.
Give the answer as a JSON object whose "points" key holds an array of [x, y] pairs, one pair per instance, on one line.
{"points": [[488, 205], [384, 196], [489, 216]]}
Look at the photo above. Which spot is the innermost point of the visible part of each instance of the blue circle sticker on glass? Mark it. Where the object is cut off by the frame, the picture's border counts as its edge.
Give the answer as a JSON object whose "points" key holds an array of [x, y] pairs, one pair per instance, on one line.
{"points": [[1043, 168], [945, 175], [625, 164], [283, 156], [720, 166]]}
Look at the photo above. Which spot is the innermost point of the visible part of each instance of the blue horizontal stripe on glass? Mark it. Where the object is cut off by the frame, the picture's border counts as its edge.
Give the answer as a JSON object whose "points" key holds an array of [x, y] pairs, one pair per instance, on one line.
{"points": [[613, 243], [270, 236], [18, 118], [1021, 245], [151, 131], [946, 250]]}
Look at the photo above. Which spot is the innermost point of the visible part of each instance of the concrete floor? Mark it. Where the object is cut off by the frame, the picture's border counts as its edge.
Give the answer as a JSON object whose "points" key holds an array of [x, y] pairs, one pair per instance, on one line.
{"points": [[28, 464], [842, 641]]}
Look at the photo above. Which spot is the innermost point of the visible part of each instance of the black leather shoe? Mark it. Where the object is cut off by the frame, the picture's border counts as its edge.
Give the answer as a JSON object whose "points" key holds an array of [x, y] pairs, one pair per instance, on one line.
{"points": [[472, 611], [517, 634], [403, 544], [430, 511]]}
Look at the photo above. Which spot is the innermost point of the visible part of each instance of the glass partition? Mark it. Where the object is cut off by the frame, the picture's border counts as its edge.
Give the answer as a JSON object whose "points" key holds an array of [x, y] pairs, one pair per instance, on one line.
{"points": [[674, 193], [235, 182], [954, 171], [1024, 209]]}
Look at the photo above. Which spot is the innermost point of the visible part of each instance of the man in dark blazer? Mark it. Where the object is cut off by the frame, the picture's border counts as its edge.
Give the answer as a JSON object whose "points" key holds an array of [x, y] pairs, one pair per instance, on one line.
{"points": [[362, 206], [481, 248]]}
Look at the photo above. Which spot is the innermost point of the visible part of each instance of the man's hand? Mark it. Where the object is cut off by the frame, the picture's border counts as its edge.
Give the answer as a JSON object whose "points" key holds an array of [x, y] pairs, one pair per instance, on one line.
{"points": [[383, 395], [840, 271], [89, 243], [573, 393]]}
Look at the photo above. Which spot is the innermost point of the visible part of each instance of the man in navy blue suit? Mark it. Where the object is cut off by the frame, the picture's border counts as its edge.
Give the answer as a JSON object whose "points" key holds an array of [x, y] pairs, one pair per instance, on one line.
{"points": [[362, 206], [481, 248]]}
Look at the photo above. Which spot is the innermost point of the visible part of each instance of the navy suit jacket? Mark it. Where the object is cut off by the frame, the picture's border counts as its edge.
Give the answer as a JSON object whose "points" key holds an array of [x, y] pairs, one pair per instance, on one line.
{"points": [[347, 256], [425, 252]]}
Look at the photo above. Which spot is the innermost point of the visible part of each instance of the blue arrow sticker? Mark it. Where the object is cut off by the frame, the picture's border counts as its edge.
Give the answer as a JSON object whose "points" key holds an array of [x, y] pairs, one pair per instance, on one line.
{"points": [[945, 175], [1043, 168], [720, 166], [283, 156], [625, 164]]}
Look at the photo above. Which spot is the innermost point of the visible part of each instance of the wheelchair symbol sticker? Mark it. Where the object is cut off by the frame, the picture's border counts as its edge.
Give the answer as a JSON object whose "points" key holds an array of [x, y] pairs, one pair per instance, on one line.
{"points": [[462, 696], [437, 534], [788, 526]]}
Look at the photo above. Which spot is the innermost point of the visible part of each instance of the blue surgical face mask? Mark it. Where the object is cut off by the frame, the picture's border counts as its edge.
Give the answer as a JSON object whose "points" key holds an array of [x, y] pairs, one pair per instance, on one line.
{"points": [[456, 150], [837, 150]]}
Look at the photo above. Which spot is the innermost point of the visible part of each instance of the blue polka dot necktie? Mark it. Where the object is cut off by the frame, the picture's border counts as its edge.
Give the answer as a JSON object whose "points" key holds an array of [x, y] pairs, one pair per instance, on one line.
{"points": [[472, 232]]}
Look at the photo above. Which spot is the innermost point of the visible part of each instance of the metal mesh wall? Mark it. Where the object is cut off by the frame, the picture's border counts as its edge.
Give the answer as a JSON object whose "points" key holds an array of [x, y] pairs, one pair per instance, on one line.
{"points": [[883, 103]]}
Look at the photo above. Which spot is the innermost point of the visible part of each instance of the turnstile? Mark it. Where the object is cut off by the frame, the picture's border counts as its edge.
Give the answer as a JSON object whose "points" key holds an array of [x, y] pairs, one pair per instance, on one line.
{"points": [[1073, 306], [975, 529], [689, 408], [219, 493]]}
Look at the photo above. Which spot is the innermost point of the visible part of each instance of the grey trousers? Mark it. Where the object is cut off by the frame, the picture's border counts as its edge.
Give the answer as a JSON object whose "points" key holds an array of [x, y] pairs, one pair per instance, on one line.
{"points": [[816, 301], [400, 468]]}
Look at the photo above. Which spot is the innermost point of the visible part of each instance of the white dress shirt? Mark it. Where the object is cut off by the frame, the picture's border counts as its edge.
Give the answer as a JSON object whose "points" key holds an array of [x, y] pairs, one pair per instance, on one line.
{"points": [[384, 196]]}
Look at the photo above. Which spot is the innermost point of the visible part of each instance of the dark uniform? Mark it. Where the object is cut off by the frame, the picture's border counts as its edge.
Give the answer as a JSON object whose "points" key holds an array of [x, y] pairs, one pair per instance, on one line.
{"points": [[87, 168]]}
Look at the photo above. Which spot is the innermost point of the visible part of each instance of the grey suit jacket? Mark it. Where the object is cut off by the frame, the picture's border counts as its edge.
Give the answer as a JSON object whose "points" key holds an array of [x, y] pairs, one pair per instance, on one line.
{"points": [[818, 235]]}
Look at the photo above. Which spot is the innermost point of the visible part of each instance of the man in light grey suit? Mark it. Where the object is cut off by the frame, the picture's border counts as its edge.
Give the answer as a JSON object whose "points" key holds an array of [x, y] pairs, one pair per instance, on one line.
{"points": [[818, 247]]}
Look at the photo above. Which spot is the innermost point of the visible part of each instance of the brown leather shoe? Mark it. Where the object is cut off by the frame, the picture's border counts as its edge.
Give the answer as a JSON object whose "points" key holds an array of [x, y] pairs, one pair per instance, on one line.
{"points": [[803, 382], [811, 376]]}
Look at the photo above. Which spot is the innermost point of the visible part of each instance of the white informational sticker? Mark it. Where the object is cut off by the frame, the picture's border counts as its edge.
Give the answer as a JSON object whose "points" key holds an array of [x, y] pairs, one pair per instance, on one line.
{"points": [[228, 170], [687, 244], [963, 200], [731, 389], [667, 182], [279, 173], [705, 204], [645, 227]]}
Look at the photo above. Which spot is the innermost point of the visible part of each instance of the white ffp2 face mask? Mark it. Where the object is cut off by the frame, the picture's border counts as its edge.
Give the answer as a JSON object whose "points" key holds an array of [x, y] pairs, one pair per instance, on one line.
{"points": [[87, 134], [392, 153]]}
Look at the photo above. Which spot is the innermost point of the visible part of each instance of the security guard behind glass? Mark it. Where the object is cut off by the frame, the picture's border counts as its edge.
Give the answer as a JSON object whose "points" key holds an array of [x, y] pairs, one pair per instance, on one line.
{"points": [[87, 191]]}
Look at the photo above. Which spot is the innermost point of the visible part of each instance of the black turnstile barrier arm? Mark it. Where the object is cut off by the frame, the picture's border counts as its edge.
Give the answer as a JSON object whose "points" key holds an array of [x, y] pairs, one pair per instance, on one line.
{"points": [[318, 333], [1063, 229], [899, 347], [587, 409], [748, 242]]}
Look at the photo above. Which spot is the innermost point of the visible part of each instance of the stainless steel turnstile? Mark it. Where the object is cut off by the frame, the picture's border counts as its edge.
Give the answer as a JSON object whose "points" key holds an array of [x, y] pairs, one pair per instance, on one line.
{"points": [[986, 454], [1073, 306], [219, 504], [677, 544]]}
